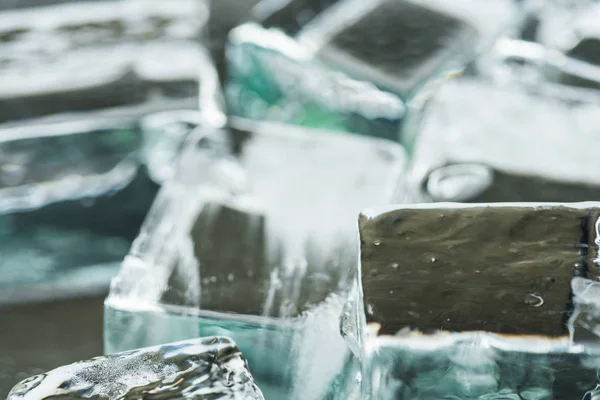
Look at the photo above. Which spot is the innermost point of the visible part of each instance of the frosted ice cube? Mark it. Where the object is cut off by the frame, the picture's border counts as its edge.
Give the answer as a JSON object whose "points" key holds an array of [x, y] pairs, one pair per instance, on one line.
{"points": [[473, 301], [207, 368], [478, 142], [345, 68], [259, 222]]}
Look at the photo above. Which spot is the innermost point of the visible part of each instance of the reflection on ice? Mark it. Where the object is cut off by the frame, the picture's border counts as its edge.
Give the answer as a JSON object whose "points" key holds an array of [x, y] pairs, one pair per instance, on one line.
{"points": [[207, 368]]}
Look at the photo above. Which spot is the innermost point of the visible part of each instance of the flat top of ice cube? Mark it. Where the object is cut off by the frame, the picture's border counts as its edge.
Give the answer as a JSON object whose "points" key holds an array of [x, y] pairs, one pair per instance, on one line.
{"points": [[211, 368]]}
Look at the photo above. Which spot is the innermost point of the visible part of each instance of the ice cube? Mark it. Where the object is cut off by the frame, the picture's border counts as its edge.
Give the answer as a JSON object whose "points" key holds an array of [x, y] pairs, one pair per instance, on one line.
{"points": [[477, 142], [273, 77], [92, 55], [259, 222], [344, 67], [206, 368], [474, 301], [291, 16]]}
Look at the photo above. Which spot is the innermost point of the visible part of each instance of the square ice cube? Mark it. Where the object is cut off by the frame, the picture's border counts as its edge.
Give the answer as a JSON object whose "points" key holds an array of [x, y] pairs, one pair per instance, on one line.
{"points": [[85, 56], [479, 301], [255, 238], [569, 32], [73, 195], [206, 368], [478, 142], [353, 65]]}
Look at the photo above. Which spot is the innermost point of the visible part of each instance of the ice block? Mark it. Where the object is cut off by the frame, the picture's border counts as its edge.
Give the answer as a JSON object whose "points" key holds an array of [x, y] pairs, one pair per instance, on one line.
{"points": [[480, 301], [205, 368], [255, 238], [557, 43], [479, 142], [73, 195], [86, 56], [340, 65]]}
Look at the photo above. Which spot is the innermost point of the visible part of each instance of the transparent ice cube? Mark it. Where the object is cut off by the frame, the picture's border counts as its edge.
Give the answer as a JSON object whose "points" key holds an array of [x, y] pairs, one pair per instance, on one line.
{"points": [[255, 238], [82, 152], [73, 195], [340, 65], [479, 301], [206, 368], [86, 56], [479, 142]]}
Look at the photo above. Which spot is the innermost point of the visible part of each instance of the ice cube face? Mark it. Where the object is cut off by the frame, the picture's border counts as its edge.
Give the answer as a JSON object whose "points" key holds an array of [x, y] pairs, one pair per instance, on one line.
{"points": [[320, 67], [484, 300], [522, 146], [73, 195], [205, 368], [470, 367], [80, 143], [258, 222]]}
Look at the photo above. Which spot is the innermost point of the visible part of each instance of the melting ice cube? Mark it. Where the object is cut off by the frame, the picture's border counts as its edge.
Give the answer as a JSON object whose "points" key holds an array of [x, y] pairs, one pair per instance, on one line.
{"points": [[478, 301], [256, 238], [518, 145], [352, 65], [207, 368]]}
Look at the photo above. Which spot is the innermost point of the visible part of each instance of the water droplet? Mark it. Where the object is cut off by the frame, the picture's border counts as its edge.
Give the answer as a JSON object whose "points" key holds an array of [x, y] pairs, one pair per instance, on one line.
{"points": [[213, 279], [230, 277], [377, 242], [394, 265], [534, 299], [369, 309], [391, 292], [433, 259]]}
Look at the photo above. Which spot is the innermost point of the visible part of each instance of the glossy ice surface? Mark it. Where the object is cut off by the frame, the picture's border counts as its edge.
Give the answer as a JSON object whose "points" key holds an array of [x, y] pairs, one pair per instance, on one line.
{"points": [[480, 301], [524, 145], [80, 160], [206, 368], [92, 55], [315, 63], [267, 231]]}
